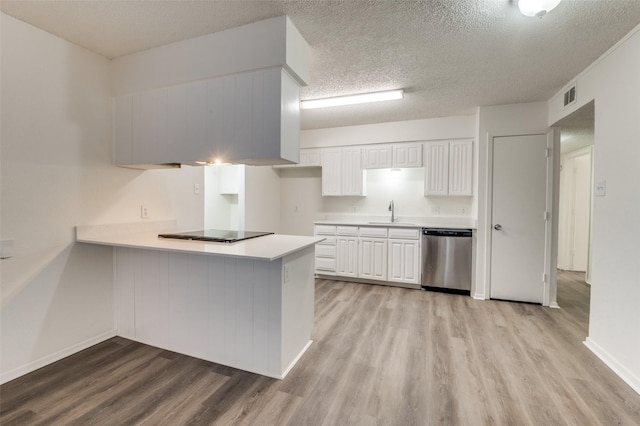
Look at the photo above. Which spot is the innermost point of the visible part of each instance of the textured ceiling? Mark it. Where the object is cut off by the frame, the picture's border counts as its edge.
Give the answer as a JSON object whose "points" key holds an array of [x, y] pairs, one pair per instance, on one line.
{"points": [[449, 55]]}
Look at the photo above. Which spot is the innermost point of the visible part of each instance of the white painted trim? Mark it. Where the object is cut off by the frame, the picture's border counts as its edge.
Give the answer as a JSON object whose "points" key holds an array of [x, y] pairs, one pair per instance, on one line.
{"points": [[611, 362], [549, 292], [295, 361], [56, 356]]}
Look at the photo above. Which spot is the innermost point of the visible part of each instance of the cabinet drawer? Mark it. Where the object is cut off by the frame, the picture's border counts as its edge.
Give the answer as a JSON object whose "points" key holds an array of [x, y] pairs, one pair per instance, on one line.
{"points": [[328, 241], [325, 229], [325, 264], [350, 231], [374, 232], [325, 251], [404, 233]]}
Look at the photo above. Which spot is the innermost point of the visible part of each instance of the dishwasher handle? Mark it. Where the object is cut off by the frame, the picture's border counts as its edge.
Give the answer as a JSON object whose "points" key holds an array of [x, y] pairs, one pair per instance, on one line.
{"points": [[441, 232]]}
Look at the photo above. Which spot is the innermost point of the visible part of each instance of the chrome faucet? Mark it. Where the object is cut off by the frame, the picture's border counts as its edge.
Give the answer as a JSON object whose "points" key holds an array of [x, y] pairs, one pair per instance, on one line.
{"points": [[392, 209]]}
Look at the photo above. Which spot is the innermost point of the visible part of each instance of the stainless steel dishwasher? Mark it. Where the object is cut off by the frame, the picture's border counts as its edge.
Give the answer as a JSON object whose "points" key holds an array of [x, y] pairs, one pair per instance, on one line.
{"points": [[446, 258]]}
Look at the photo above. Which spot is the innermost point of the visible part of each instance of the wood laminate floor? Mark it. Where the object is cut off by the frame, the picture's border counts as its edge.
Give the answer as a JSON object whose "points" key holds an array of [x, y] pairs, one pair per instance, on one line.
{"points": [[381, 356]]}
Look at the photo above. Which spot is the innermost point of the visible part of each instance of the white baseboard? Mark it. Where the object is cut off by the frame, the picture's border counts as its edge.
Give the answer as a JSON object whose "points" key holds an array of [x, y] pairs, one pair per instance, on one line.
{"points": [[622, 371], [295, 360], [57, 356]]}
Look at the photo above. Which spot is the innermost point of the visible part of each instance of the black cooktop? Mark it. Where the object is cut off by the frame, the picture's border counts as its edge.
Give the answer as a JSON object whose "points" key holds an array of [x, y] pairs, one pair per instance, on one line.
{"points": [[216, 235]]}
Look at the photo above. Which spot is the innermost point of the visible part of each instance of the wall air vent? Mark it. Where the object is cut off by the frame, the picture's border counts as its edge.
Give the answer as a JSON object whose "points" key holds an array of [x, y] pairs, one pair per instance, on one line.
{"points": [[570, 96]]}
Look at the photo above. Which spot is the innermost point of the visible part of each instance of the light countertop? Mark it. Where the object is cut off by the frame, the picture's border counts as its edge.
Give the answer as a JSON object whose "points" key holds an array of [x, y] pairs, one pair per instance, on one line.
{"points": [[268, 247], [447, 223]]}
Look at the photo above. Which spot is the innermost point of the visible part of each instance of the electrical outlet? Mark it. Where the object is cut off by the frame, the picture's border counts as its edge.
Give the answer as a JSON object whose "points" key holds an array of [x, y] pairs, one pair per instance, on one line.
{"points": [[463, 210], [196, 188], [435, 210], [286, 273], [354, 208], [144, 212]]}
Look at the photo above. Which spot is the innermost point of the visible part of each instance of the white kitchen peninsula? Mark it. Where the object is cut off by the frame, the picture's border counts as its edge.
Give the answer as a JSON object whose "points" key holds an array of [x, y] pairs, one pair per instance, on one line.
{"points": [[247, 305]]}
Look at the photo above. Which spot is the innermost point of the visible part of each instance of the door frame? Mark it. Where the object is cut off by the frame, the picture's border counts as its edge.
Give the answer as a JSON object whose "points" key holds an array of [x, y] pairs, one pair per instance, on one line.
{"points": [[588, 150], [549, 295]]}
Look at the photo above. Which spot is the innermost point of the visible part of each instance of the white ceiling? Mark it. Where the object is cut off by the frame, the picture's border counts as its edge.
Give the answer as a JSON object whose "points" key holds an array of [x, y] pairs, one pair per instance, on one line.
{"points": [[449, 55]]}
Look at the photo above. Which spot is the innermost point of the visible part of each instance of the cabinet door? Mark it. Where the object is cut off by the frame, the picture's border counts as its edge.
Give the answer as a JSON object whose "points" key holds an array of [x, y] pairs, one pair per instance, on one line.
{"points": [[351, 172], [377, 157], [310, 157], [149, 133], [404, 261], [187, 123], [230, 179], [461, 168], [436, 165], [407, 155], [347, 256], [331, 170], [123, 129], [372, 262]]}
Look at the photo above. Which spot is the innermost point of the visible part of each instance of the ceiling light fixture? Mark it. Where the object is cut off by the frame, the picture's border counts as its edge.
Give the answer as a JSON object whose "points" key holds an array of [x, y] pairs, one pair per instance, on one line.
{"points": [[537, 8], [387, 95]]}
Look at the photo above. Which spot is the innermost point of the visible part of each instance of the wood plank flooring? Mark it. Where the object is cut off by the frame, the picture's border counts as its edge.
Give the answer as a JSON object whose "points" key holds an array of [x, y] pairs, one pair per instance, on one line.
{"points": [[381, 356]]}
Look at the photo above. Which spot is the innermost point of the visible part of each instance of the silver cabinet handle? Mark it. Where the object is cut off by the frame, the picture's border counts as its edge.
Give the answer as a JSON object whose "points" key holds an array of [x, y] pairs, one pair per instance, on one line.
{"points": [[497, 227]]}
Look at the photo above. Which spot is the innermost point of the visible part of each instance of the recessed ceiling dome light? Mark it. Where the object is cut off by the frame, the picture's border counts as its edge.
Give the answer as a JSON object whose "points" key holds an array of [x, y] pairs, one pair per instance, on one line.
{"points": [[537, 8]]}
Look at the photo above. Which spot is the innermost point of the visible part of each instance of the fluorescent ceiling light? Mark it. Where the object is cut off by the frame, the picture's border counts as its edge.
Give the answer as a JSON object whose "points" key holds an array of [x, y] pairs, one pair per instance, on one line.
{"points": [[537, 8], [387, 95]]}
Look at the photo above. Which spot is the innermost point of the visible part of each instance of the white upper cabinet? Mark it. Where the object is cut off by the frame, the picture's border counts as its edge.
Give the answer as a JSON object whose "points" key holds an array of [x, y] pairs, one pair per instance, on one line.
{"points": [[250, 118], [309, 157], [332, 172], [342, 172], [352, 173], [436, 165], [377, 157], [448, 168], [233, 95], [407, 155], [230, 178], [391, 156], [461, 168]]}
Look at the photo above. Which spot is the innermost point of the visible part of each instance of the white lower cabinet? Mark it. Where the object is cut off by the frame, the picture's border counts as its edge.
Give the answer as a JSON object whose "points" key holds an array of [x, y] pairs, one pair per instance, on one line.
{"points": [[347, 256], [370, 253], [404, 256], [326, 250], [373, 258], [404, 261]]}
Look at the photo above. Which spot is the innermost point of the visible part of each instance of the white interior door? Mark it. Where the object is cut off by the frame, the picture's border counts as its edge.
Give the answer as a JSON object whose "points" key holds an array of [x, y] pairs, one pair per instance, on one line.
{"points": [[519, 218], [581, 212]]}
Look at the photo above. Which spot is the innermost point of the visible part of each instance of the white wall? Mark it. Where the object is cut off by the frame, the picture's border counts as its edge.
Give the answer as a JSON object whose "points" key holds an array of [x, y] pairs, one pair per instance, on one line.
{"points": [[57, 296], [302, 200], [612, 81], [220, 211], [261, 199]]}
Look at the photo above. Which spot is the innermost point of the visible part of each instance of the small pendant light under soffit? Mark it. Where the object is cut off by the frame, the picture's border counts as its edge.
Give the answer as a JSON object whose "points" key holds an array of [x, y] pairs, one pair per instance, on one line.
{"points": [[537, 8]]}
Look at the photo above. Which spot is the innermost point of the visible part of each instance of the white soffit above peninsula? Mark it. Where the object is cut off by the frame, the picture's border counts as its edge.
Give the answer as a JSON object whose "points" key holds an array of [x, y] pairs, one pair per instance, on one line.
{"points": [[449, 56]]}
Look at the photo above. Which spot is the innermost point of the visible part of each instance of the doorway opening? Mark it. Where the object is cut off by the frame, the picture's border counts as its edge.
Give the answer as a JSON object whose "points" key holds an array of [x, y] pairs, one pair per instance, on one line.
{"points": [[575, 212]]}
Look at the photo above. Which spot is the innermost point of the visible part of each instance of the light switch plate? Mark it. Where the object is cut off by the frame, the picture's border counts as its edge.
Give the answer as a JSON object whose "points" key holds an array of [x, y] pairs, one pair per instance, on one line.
{"points": [[600, 188]]}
